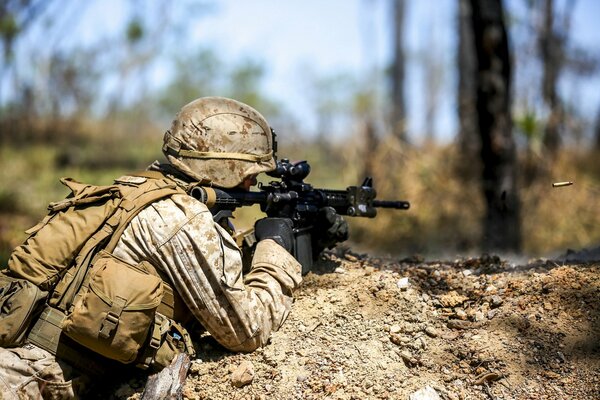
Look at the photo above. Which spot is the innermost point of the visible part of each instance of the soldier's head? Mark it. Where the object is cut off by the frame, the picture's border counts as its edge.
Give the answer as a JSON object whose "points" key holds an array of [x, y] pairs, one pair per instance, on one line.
{"points": [[220, 140]]}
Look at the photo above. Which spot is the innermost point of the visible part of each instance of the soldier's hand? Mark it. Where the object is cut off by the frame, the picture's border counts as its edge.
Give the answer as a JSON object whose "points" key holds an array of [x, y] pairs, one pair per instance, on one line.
{"points": [[330, 229], [278, 229]]}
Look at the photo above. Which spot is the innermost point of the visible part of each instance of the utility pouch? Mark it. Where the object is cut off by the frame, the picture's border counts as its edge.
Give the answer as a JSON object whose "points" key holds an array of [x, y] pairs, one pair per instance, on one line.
{"points": [[114, 311], [20, 302], [168, 339]]}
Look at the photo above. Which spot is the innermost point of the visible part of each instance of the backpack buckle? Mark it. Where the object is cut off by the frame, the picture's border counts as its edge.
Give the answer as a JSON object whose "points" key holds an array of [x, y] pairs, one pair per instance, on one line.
{"points": [[112, 318]]}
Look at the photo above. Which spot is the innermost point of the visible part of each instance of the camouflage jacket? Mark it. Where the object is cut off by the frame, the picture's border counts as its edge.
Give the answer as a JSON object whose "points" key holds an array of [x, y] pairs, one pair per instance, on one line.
{"points": [[179, 237]]}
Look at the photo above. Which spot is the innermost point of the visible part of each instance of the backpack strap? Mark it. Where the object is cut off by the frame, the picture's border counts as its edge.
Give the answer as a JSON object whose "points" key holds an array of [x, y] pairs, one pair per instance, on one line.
{"points": [[153, 189], [136, 195]]}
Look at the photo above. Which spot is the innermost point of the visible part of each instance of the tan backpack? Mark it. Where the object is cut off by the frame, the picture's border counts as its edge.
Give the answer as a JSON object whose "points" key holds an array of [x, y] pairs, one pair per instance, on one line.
{"points": [[123, 312]]}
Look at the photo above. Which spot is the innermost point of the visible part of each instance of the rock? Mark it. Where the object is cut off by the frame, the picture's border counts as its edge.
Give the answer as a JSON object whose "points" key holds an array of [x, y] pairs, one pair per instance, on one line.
{"points": [[369, 270], [189, 393], [243, 374], [551, 374], [426, 393], [340, 270], [431, 331], [350, 257], [459, 324], [408, 359], [403, 283], [496, 301], [479, 316], [302, 377], [396, 338], [452, 299], [195, 367], [461, 314]]}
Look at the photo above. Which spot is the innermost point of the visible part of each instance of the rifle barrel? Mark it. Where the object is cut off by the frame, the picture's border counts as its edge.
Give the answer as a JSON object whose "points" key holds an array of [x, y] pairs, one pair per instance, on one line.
{"points": [[399, 205]]}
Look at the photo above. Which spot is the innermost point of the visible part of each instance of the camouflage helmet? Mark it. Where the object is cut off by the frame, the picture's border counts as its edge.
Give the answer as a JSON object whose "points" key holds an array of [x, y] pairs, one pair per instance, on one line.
{"points": [[219, 140]]}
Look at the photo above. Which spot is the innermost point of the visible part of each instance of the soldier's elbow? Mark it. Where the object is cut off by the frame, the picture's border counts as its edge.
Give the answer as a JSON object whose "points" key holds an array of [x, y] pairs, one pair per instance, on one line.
{"points": [[250, 344]]}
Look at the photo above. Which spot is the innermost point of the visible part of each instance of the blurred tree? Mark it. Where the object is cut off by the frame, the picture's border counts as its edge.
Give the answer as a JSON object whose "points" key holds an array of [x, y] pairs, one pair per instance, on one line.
{"points": [[434, 78], [468, 137], [552, 53], [597, 131], [195, 76], [397, 72], [558, 55], [331, 97], [205, 74], [498, 153]]}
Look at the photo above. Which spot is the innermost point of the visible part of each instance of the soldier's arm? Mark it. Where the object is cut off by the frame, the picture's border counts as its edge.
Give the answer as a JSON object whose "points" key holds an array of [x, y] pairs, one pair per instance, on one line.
{"points": [[204, 265]]}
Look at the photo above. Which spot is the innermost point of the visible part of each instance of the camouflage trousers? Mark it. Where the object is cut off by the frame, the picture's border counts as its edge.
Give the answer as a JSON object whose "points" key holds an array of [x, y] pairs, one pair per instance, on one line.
{"points": [[29, 372]]}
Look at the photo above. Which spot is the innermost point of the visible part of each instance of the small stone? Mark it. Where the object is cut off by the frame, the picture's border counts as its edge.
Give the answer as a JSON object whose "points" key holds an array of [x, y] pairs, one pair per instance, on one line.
{"points": [[467, 272], [427, 393], [403, 283], [461, 314], [452, 299], [408, 359], [395, 329], [431, 331], [551, 374], [243, 375], [548, 306], [340, 270], [496, 301], [302, 377], [459, 324], [189, 393], [479, 316], [350, 257], [195, 367], [396, 339]]}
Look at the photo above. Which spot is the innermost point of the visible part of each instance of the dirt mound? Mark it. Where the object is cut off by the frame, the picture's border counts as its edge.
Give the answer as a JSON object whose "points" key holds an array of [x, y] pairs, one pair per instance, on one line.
{"points": [[371, 328]]}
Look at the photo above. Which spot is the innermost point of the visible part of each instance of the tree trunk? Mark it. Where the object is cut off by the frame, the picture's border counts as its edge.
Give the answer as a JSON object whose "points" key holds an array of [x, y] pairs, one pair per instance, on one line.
{"points": [[551, 51], [597, 131], [397, 75], [498, 153], [467, 138]]}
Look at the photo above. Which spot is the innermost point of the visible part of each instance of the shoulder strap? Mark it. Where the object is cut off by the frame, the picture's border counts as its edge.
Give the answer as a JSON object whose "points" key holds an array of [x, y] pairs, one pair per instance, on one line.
{"points": [[137, 198], [136, 195]]}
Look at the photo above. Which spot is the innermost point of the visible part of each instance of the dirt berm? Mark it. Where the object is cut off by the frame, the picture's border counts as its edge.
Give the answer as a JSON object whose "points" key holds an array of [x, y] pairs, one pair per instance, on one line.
{"points": [[374, 328]]}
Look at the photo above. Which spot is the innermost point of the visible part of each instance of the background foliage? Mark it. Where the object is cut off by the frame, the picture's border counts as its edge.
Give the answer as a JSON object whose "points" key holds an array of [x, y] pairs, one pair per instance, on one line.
{"points": [[88, 112]]}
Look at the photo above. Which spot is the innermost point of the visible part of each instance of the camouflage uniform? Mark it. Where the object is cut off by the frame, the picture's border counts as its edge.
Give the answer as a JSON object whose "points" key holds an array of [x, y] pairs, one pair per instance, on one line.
{"points": [[29, 372], [178, 236], [218, 142]]}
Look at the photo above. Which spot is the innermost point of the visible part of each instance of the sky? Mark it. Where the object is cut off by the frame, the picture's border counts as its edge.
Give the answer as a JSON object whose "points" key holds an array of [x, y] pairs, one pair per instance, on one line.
{"points": [[326, 38], [299, 39]]}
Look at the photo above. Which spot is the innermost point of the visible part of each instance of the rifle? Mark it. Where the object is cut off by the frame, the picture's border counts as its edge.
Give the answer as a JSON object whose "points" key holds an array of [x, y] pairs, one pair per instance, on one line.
{"points": [[291, 197]]}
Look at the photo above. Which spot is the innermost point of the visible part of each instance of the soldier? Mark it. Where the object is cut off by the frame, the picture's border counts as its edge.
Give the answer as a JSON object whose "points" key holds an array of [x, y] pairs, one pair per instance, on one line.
{"points": [[217, 142]]}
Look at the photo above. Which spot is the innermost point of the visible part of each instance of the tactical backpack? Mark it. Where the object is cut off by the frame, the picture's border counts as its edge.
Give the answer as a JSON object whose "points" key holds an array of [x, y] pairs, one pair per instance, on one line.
{"points": [[63, 284]]}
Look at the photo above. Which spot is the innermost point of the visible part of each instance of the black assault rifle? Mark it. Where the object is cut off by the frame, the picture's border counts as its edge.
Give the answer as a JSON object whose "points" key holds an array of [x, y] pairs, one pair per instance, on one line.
{"points": [[291, 197]]}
